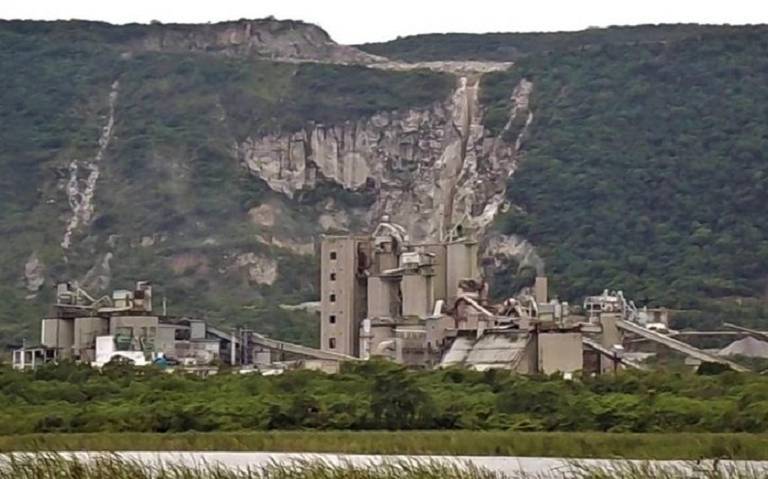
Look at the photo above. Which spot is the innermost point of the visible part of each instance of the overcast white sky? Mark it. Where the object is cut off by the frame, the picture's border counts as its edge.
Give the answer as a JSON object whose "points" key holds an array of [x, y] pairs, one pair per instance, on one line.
{"points": [[358, 21]]}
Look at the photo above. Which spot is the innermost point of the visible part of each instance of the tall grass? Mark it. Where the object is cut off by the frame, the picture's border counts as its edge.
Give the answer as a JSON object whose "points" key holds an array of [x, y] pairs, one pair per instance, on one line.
{"points": [[649, 470], [55, 466], [480, 443], [110, 466]]}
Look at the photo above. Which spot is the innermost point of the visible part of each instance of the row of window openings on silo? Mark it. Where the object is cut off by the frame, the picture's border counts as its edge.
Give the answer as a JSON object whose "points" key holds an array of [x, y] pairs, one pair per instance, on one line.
{"points": [[332, 317]]}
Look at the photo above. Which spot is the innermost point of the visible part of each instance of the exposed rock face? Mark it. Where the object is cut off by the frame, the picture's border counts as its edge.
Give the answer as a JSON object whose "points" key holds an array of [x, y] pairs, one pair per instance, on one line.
{"points": [[338, 220], [460, 68], [294, 246], [431, 168], [499, 247], [34, 273], [284, 40], [189, 262], [82, 188], [264, 215], [261, 270], [99, 276]]}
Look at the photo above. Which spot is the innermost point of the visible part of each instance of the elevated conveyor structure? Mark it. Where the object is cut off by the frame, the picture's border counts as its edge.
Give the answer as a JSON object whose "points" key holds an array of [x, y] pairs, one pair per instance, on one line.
{"points": [[679, 346], [284, 346], [609, 354], [761, 335]]}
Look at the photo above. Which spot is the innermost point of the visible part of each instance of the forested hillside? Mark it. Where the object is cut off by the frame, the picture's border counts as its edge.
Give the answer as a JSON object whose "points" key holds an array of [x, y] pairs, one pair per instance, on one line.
{"points": [[514, 46], [646, 170], [170, 201], [643, 167]]}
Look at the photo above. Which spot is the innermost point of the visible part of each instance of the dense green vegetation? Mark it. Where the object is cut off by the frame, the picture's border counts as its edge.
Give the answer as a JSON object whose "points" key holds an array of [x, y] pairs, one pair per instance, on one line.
{"points": [[374, 395], [646, 171], [514, 46], [170, 173]]}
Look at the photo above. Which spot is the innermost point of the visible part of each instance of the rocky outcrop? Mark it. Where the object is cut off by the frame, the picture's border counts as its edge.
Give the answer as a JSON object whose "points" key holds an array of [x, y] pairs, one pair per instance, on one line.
{"points": [[189, 263], [499, 247], [264, 215], [337, 220], [458, 68], [284, 40], [34, 273], [430, 168], [261, 270], [99, 277], [295, 246]]}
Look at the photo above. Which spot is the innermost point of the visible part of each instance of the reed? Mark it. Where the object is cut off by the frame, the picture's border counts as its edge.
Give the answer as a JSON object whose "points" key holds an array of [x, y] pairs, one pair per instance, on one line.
{"points": [[47, 465], [685, 446], [110, 466]]}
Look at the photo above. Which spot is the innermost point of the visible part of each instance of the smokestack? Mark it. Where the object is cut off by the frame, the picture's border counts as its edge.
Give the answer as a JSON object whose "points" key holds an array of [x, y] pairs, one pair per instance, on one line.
{"points": [[540, 289]]}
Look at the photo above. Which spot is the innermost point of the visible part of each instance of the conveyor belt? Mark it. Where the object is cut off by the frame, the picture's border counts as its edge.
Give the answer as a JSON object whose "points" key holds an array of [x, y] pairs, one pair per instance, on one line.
{"points": [[284, 346], [761, 335], [680, 346], [610, 354]]}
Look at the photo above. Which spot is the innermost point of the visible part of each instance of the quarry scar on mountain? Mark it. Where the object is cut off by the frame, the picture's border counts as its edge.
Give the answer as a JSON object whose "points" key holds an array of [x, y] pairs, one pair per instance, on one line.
{"points": [[430, 168]]}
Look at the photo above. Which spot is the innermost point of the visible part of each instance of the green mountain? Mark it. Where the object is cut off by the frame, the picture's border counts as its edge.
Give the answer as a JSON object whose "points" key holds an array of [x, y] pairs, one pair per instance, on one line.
{"points": [[208, 158], [165, 197], [515, 46], [646, 170]]}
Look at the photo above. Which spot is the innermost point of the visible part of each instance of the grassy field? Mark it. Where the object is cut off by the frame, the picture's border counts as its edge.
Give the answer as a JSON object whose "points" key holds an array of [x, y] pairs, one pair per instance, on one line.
{"points": [[569, 445]]}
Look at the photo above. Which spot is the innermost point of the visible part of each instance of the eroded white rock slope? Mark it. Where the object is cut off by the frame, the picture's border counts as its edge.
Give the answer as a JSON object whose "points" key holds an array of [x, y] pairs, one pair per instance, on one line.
{"points": [[83, 175], [430, 168]]}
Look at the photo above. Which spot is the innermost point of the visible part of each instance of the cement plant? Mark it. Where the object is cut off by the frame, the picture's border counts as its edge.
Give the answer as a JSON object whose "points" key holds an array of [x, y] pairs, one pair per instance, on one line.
{"points": [[423, 305]]}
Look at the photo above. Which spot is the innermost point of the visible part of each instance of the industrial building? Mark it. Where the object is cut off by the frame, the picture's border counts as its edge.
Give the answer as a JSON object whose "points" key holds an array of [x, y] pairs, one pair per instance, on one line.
{"points": [[121, 326], [124, 327], [427, 305], [423, 305]]}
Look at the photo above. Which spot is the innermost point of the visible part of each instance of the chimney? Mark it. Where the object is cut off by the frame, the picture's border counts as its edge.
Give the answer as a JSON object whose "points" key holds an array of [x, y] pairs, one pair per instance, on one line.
{"points": [[540, 290]]}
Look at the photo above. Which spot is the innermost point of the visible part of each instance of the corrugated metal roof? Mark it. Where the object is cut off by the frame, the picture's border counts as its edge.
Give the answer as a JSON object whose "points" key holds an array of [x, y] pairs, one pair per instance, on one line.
{"points": [[492, 350]]}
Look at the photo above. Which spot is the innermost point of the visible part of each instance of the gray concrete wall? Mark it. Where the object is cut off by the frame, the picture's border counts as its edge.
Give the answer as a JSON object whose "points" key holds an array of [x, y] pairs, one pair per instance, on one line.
{"points": [[418, 295], [85, 332], [135, 323], [541, 289], [461, 262], [197, 329], [165, 342], [59, 334], [560, 352], [381, 295], [439, 280]]}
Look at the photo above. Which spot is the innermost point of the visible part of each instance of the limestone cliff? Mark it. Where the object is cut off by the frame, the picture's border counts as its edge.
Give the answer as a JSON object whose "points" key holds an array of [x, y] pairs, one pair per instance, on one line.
{"points": [[430, 168], [177, 154], [284, 40]]}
